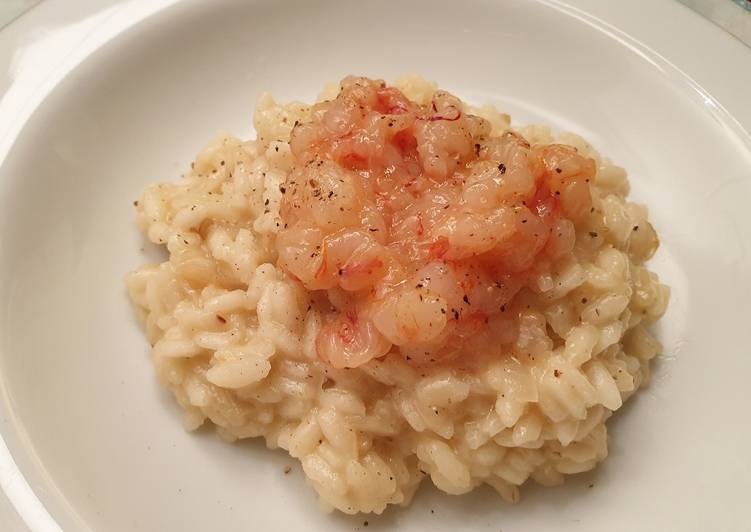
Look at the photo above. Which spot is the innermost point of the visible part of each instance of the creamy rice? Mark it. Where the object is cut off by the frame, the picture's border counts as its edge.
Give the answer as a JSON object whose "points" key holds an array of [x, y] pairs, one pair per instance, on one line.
{"points": [[234, 337]]}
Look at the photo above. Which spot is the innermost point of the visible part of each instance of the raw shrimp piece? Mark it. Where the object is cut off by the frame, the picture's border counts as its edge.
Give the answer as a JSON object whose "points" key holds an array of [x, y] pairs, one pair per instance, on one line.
{"points": [[299, 249], [567, 174], [415, 315], [350, 341]]}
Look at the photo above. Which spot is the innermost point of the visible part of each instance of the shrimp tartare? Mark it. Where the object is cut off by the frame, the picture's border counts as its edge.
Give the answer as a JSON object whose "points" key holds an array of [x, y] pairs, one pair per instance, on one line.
{"points": [[420, 225]]}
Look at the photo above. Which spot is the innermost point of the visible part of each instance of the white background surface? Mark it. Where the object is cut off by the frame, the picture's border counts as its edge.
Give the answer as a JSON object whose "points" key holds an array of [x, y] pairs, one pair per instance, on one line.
{"points": [[732, 94], [726, 14]]}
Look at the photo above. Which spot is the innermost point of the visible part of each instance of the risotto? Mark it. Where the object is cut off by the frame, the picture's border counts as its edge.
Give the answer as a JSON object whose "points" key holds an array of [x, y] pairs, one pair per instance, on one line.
{"points": [[391, 285]]}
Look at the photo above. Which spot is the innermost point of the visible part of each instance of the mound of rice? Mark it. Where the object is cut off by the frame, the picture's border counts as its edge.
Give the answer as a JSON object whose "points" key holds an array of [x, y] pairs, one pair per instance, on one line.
{"points": [[234, 338]]}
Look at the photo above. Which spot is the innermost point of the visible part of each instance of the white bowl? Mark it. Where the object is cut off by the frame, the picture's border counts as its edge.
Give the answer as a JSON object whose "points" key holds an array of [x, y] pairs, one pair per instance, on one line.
{"points": [[101, 445]]}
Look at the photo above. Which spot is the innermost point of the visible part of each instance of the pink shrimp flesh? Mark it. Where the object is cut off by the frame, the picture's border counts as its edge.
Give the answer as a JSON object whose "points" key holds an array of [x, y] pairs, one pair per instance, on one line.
{"points": [[420, 225]]}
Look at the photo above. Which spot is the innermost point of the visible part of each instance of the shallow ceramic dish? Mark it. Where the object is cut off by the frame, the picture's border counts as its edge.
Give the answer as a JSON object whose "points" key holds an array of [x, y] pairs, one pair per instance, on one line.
{"points": [[92, 443]]}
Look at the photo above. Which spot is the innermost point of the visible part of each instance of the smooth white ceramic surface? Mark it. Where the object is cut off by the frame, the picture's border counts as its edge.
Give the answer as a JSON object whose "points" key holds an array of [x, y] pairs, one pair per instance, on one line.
{"points": [[101, 445]]}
